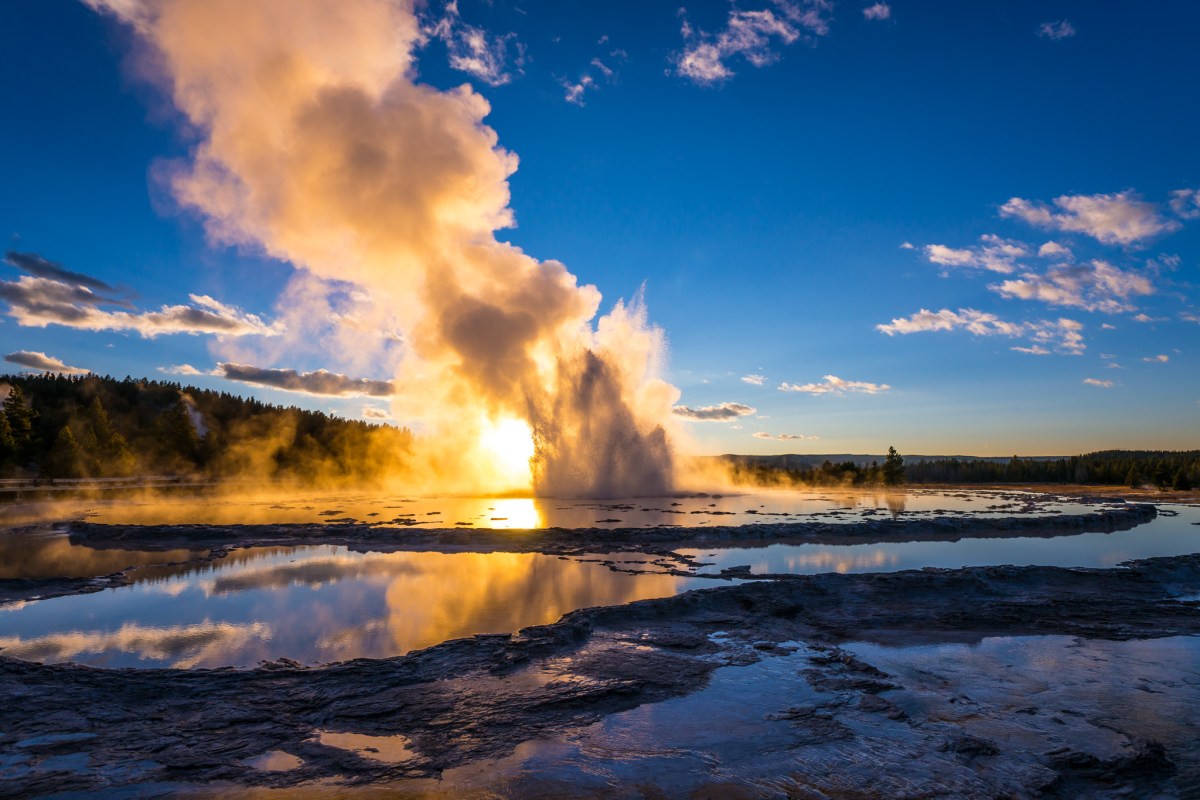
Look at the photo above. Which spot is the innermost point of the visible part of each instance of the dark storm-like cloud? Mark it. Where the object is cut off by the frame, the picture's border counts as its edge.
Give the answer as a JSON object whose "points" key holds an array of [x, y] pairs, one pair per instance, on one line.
{"points": [[41, 362], [44, 268], [725, 412], [320, 382]]}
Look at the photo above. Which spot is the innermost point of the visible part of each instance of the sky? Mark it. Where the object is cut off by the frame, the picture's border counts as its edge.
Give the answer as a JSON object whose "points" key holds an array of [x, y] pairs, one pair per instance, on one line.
{"points": [[948, 227]]}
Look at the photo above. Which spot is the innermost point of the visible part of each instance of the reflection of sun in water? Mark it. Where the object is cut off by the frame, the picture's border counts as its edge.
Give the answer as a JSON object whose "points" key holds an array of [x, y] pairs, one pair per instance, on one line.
{"points": [[519, 513], [509, 445]]}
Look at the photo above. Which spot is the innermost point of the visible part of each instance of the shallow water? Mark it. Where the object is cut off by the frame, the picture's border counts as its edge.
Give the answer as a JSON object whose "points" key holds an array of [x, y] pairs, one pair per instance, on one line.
{"points": [[314, 604], [1175, 532], [385, 510], [1027, 695], [319, 604]]}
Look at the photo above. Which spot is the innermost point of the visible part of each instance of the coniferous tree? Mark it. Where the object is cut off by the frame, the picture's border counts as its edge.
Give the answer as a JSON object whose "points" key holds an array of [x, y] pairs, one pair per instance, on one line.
{"points": [[893, 468]]}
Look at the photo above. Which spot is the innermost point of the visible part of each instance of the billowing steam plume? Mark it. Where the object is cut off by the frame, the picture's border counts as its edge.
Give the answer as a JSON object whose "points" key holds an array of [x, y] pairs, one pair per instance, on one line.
{"points": [[318, 146]]}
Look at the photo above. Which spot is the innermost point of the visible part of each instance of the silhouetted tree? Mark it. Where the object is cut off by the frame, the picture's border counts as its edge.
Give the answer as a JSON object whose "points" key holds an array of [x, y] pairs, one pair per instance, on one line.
{"points": [[893, 468], [63, 459]]}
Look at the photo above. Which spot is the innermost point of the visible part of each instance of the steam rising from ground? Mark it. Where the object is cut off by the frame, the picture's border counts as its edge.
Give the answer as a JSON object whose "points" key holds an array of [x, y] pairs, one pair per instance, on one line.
{"points": [[319, 147]]}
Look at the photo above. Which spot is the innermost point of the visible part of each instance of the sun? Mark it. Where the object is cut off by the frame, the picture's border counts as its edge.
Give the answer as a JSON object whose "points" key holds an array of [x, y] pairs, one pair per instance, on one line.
{"points": [[509, 444]]}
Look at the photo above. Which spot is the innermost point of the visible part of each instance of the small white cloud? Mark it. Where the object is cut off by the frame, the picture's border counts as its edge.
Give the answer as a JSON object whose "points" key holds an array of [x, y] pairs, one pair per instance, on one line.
{"points": [[1059, 29], [995, 254], [1036, 350], [782, 437], [750, 34], [375, 412], [489, 58], [1118, 218], [907, 245], [1186, 203], [754, 380], [1098, 382], [1146, 318], [725, 412], [1189, 317], [1158, 359], [180, 369], [879, 11], [1108, 327], [832, 384], [1097, 286], [35, 360], [1063, 334], [1053, 249]]}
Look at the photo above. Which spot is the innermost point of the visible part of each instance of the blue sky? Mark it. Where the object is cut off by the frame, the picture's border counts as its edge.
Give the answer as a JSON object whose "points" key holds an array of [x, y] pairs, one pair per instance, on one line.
{"points": [[793, 182]]}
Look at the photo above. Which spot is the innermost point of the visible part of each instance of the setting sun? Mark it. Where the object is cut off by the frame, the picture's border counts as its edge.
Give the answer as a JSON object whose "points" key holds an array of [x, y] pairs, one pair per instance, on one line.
{"points": [[509, 445]]}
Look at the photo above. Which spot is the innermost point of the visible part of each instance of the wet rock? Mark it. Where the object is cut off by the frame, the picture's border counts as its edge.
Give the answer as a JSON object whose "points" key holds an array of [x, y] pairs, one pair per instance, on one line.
{"points": [[966, 745]]}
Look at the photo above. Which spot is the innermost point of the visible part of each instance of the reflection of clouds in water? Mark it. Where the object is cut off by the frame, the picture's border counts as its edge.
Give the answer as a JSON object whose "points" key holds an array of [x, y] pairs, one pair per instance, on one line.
{"points": [[467, 593], [313, 573], [838, 560], [187, 645]]}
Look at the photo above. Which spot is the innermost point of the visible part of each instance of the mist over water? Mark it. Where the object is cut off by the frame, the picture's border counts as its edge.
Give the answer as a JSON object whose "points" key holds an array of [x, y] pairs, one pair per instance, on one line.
{"points": [[318, 146]]}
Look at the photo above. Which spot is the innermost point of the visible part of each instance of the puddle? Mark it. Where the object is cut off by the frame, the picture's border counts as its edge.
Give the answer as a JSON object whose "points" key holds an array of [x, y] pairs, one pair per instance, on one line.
{"points": [[274, 761], [315, 604], [1165, 535], [391, 749]]}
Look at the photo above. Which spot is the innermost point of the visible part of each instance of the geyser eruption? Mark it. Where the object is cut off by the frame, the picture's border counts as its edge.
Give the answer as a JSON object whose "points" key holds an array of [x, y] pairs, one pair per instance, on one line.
{"points": [[318, 146]]}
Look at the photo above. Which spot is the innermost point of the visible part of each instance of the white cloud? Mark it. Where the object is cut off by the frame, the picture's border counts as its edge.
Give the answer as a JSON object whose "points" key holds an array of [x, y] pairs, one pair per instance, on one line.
{"points": [[1061, 334], [995, 254], [783, 437], [475, 51], [832, 384], [575, 91], [180, 369], [1098, 286], [725, 412], [1059, 29], [1145, 318], [754, 380], [906, 245], [1189, 317], [1108, 327], [1119, 218], [1098, 382], [1186, 203], [375, 412], [750, 34], [1036, 350], [878, 11], [41, 362], [1053, 249], [1159, 359]]}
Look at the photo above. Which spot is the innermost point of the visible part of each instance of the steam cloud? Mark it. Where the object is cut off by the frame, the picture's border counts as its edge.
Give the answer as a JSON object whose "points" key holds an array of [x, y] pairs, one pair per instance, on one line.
{"points": [[319, 148]]}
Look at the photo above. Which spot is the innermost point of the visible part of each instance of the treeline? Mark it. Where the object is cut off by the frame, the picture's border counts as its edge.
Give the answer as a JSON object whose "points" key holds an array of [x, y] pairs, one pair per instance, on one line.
{"points": [[891, 472], [1164, 469], [57, 426], [1179, 470]]}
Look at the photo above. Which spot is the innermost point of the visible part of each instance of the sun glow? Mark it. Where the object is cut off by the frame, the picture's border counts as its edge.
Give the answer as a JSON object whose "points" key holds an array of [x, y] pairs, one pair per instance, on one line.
{"points": [[509, 446]]}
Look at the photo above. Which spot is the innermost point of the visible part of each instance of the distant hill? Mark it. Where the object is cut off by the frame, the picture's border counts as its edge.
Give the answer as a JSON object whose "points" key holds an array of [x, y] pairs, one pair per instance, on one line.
{"points": [[57, 426]]}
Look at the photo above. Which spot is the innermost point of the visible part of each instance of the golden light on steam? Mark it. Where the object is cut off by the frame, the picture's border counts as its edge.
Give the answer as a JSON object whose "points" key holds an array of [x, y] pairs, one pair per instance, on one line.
{"points": [[508, 444]]}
